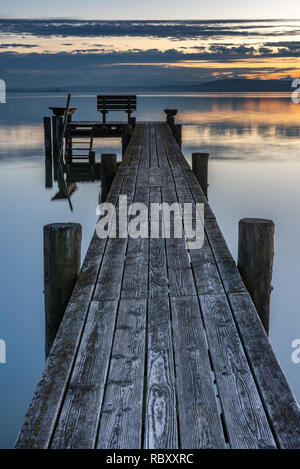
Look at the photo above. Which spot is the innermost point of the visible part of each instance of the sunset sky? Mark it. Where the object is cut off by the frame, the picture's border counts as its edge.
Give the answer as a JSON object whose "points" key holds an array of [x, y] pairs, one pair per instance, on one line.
{"points": [[45, 53]]}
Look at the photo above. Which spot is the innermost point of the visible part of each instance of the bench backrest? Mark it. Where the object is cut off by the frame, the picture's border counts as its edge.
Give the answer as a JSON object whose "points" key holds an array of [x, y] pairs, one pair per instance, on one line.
{"points": [[108, 103]]}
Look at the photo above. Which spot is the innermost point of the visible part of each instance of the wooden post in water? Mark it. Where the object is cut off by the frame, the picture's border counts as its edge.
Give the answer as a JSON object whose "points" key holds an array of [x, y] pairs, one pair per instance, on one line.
{"points": [[177, 132], [48, 151], [255, 262], [108, 172], [200, 169], [126, 134], [48, 139], [62, 249], [57, 129], [132, 121]]}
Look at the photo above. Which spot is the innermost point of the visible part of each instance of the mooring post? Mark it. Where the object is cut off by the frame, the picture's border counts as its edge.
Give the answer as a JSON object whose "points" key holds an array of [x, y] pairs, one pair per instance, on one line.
{"points": [[255, 262], [57, 128], [177, 132], [132, 121], [47, 135], [62, 249], [108, 172], [126, 134], [200, 169], [171, 121]]}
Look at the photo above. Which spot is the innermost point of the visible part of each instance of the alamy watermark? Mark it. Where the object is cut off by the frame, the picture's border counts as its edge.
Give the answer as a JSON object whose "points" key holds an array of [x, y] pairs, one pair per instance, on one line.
{"points": [[296, 93], [296, 353], [2, 351], [159, 220], [2, 92]]}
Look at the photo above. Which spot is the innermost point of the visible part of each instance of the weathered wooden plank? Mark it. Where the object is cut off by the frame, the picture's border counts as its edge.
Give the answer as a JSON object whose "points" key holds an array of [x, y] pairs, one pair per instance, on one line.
{"points": [[111, 272], [183, 175], [78, 419], [135, 278], [205, 271], [181, 282], [160, 414], [227, 267], [121, 418], [44, 409], [244, 415], [280, 404], [199, 420], [158, 277], [153, 148]]}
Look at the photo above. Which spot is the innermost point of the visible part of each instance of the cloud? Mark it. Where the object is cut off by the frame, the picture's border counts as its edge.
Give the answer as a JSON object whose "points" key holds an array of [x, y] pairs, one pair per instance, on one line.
{"points": [[176, 30], [17, 45]]}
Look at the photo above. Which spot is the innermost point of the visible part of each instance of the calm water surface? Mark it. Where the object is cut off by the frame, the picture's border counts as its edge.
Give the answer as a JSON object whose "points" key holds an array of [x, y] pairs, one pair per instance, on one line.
{"points": [[254, 146]]}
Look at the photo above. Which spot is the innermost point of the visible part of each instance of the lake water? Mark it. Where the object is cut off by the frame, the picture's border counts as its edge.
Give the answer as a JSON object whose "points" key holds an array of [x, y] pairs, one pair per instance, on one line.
{"points": [[254, 171]]}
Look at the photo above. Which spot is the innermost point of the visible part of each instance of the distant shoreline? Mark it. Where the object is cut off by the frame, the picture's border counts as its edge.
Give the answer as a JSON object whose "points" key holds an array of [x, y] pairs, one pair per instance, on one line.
{"points": [[219, 86]]}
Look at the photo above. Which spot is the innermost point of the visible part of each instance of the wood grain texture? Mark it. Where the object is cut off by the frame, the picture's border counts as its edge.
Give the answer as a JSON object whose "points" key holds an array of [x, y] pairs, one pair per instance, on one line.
{"points": [[121, 416], [244, 414], [160, 413], [199, 420], [227, 267], [78, 420], [44, 409], [279, 401]]}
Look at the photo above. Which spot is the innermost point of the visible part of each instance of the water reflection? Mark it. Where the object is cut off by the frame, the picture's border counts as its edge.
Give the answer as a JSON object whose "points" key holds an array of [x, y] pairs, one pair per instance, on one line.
{"points": [[254, 171]]}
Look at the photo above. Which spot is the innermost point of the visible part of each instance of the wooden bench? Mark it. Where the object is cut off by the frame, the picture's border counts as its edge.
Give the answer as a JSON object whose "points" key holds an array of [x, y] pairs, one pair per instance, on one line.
{"points": [[108, 103]]}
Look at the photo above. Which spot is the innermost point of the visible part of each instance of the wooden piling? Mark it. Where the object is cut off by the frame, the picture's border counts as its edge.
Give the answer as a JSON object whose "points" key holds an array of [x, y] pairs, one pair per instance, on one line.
{"points": [[108, 172], [200, 169], [126, 134], [48, 137], [170, 121], [62, 249], [177, 132], [57, 129], [255, 262]]}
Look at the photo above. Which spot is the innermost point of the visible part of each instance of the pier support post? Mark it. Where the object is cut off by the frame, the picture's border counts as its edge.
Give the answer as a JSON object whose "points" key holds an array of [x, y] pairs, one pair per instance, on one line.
{"points": [[171, 121], [62, 249], [57, 128], [132, 121], [177, 132], [126, 134], [200, 169], [48, 139], [255, 262], [108, 172]]}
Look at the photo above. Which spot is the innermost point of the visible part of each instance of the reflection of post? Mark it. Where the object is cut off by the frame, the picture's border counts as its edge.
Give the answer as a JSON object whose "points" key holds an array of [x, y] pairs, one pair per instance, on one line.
{"points": [[255, 262], [108, 172], [47, 134], [48, 173], [62, 248]]}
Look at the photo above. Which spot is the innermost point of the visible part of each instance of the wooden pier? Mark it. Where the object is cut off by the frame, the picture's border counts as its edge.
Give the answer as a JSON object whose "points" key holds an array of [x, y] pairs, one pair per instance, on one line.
{"points": [[160, 346]]}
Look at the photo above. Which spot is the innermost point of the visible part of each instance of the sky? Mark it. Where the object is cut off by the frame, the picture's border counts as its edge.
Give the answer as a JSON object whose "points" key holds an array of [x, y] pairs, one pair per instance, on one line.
{"points": [[156, 9], [144, 54]]}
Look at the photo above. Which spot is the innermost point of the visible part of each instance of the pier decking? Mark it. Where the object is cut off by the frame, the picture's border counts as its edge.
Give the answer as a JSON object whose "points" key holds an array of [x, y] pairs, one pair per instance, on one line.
{"points": [[161, 347]]}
